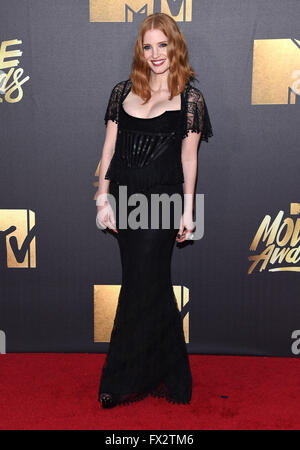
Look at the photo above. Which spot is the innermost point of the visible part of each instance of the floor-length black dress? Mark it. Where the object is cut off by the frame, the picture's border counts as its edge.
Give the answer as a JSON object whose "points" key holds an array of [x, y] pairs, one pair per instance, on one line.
{"points": [[147, 353]]}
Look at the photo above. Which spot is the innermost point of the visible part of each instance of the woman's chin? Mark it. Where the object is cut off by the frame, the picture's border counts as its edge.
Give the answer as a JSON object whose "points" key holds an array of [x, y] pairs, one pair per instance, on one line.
{"points": [[159, 70]]}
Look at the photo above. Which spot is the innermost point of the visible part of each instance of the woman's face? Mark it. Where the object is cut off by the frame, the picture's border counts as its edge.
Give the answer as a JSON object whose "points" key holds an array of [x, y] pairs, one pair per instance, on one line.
{"points": [[155, 44]]}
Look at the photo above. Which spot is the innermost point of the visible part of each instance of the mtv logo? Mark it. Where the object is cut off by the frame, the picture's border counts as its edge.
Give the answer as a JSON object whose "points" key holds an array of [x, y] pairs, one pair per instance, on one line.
{"points": [[17, 238], [129, 10], [105, 305], [276, 72]]}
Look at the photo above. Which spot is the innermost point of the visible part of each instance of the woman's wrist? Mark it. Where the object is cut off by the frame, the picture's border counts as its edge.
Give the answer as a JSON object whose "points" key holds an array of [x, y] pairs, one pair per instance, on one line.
{"points": [[99, 208], [188, 212], [102, 199], [188, 203]]}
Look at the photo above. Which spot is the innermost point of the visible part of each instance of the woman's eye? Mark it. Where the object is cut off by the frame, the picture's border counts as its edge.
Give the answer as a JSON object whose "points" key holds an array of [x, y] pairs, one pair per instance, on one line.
{"points": [[147, 47]]}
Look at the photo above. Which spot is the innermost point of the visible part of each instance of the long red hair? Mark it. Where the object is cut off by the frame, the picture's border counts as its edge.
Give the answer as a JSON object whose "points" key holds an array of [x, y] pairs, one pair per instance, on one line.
{"points": [[180, 70]]}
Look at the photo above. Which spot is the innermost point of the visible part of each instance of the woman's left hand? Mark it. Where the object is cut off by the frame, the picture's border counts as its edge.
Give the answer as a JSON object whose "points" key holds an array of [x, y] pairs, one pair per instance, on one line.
{"points": [[186, 227]]}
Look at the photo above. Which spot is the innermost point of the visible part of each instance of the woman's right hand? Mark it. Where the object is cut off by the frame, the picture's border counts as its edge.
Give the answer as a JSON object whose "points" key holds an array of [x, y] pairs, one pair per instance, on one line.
{"points": [[105, 217]]}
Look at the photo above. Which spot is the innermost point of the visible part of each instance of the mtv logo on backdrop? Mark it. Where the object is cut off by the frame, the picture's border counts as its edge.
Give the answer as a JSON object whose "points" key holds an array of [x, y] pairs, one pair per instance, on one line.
{"points": [[2, 342], [10, 81], [129, 10], [294, 209], [277, 243], [17, 238], [276, 72]]}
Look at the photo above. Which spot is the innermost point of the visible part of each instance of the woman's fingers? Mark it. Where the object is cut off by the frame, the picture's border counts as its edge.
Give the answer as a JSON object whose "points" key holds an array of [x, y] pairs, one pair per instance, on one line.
{"points": [[184, 235], [180, 231], [102, 218], [181, 235], [112, 223], [106, 219]]}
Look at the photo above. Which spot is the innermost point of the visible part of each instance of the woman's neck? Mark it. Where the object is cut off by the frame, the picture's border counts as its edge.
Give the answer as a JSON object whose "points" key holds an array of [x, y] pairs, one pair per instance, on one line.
{"points": [[159, 82]]}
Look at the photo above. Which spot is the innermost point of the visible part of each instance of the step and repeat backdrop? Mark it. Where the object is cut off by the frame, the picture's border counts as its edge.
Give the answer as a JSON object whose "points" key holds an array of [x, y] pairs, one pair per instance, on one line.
{"points": [[238, 287]]}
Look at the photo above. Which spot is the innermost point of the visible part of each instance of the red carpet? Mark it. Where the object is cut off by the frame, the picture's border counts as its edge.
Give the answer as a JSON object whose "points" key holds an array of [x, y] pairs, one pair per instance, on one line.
{"points": [[59, 391]]}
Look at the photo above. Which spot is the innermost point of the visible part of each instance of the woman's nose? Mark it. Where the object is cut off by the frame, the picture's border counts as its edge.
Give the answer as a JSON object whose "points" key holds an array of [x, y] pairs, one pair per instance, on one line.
{"points": [[154, 52]]}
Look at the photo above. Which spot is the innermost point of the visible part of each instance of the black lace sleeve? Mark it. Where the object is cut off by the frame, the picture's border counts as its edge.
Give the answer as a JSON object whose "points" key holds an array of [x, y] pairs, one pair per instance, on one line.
{"points": [[196, 115], [112, 110]]}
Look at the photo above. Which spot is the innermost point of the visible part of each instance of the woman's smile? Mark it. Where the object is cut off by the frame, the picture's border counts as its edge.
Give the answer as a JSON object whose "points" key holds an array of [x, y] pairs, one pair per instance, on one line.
{"points": [[158, 62]]}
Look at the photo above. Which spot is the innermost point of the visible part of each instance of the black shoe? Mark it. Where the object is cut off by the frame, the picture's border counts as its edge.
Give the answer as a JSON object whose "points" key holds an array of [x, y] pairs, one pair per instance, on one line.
{"points": [[107, 401]]}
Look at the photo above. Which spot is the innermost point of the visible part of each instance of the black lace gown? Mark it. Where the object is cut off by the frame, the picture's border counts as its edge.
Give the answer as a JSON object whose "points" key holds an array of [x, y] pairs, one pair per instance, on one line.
{"points": [[147, 353]]}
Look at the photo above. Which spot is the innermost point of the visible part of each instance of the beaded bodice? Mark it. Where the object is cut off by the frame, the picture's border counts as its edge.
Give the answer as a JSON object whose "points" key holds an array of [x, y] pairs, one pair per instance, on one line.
{"points": [[148, 150]]}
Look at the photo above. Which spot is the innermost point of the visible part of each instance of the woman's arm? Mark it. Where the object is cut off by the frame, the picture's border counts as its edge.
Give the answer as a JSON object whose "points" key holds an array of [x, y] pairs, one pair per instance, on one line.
{"points": [[107, 154], [189, 159]]}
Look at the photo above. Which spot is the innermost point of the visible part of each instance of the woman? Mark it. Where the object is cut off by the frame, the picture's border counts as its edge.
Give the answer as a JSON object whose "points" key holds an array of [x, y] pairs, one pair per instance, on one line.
{"points": [[155, 120]]}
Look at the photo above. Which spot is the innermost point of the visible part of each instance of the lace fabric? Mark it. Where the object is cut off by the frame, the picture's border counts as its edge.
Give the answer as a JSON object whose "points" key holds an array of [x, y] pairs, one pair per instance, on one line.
{"points": [[195, 113], [196, 117], [113, 107]]}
